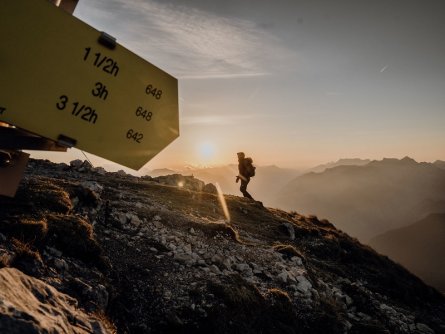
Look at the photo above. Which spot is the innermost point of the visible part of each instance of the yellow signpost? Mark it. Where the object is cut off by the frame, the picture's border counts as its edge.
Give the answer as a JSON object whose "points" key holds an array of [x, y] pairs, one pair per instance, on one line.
{"points": [[66, 81]]}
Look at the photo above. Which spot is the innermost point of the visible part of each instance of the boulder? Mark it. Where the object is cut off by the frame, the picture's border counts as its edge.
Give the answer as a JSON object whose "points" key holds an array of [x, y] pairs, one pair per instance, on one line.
{"points": [[28, 305], [288, 230], [209, 188]]}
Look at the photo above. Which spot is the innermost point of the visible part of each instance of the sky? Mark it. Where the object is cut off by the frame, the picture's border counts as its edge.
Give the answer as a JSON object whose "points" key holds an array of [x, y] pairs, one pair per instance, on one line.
{"points": [[292, 83]]}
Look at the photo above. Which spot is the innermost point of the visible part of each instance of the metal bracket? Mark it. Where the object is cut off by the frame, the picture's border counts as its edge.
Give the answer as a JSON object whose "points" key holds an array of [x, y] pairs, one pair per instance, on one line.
{"points": [[17, 139], [107, 40], [63, 140]]}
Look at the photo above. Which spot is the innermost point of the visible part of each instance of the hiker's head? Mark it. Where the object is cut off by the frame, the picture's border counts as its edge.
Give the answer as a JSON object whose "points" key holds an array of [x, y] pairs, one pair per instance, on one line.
{"points": [[241, 155]]}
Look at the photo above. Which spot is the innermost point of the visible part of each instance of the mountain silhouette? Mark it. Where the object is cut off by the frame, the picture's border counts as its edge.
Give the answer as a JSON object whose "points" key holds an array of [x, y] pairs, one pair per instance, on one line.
{"points": [[368, 200], [419, 247], [439, 164], [340, 162]]}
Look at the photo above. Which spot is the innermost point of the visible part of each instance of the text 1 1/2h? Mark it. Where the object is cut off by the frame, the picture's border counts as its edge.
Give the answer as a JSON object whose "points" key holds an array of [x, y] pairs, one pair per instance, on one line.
{"points": [[103, 62]]}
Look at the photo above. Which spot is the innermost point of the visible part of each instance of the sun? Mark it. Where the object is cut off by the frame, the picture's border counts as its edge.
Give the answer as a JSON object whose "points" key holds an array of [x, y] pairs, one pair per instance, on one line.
{"points": [[206, 151]]}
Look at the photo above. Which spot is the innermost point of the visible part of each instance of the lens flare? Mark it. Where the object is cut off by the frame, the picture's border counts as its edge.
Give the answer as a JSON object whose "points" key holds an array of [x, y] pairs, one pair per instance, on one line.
{"points": [[222, 200]]}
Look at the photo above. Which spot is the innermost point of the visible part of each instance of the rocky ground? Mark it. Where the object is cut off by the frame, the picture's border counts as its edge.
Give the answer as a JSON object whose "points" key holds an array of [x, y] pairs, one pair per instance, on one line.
{"points": [[86, 251]]}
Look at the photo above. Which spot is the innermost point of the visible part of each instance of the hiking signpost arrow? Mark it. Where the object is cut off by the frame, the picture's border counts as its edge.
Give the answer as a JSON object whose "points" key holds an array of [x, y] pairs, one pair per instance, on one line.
{"points": [[66, 81]]}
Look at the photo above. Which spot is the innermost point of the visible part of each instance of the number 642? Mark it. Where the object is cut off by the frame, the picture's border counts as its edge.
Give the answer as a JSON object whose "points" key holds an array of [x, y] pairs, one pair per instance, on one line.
{"points": [[136, 136]]}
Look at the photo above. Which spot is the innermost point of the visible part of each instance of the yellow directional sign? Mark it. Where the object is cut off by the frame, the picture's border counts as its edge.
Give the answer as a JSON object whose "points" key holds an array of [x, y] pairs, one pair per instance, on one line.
{"points": [[62, 79]]}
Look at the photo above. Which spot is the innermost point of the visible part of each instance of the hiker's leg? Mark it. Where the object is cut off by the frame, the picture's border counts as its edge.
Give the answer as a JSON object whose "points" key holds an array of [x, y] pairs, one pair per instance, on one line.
{"points": [[243, 188]]}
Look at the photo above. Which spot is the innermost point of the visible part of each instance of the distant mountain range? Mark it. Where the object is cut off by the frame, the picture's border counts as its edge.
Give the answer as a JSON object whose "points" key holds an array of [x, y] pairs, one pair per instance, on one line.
{"points": [[341, 162], [419, 247], [269, 180], [440, 164], [161, 172], [368, 200]]}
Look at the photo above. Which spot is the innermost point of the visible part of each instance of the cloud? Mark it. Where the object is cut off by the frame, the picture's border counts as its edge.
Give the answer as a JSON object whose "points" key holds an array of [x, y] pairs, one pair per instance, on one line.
{"points": [[187, 42], [384, 68]]}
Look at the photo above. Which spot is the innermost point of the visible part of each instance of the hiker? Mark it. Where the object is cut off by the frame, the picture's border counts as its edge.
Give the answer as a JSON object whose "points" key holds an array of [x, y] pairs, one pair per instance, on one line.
{"points": [[246, 171]]}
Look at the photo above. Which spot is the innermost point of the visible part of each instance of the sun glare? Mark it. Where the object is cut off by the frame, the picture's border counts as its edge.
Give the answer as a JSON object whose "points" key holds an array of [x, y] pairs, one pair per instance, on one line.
{"points": [[206, 151]]}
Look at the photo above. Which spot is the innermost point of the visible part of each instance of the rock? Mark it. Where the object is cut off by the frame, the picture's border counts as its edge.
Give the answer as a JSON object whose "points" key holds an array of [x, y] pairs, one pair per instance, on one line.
{"points": [[92, 186], [122, 173], [122, 218], [61, 264], [101, 296], [174, 321], [227, 264], [184, 258], [424, 329], [5, 257], [288, 230], [217, 259], [28, 305], [86, 166], [291, 277], [347, 325], [215, 269], [303, 284], [62, 167], [178, 180], [242, 267], [54, 252], [76, 163], [283, 276], [81, 166], [256, 268], [75, 201], [187, 248], [297, 260], [133, 219], [209, 188], [100, 170]]}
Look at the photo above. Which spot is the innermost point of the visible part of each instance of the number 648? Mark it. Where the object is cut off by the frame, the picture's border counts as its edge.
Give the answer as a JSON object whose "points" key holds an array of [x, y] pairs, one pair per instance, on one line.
{"points": [[157, 93]]}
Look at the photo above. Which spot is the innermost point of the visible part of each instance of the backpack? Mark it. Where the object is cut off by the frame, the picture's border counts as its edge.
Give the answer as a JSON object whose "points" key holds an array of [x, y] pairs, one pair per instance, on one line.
{"points": [[250, 168]]}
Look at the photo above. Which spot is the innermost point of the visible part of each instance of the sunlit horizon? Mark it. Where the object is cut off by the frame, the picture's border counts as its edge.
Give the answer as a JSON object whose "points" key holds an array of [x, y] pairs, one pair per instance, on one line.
{"points": [[292, 84], [184, 166]]}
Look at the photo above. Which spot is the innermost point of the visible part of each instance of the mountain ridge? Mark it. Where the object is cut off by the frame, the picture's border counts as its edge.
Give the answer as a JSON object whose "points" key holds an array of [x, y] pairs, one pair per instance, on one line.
{"points": [[367, 200], [417, 247], [341, 162], [147, 255]]}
